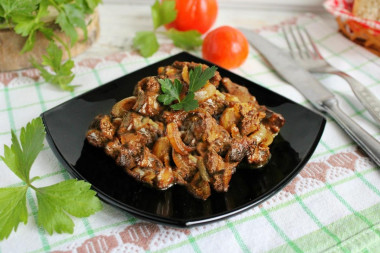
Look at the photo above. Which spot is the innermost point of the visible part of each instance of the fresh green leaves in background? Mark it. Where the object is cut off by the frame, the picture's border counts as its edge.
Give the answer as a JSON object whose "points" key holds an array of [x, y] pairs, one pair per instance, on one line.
{"points": [[10, 9], [55, 202], [62, 74], [186, 39], [164, 13], [172, 91], [146, 42], [28, 17], [69, 18]]}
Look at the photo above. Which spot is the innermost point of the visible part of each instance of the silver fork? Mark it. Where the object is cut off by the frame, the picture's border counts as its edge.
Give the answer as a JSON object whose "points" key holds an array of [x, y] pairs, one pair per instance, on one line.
{"points": [[312, 60]]}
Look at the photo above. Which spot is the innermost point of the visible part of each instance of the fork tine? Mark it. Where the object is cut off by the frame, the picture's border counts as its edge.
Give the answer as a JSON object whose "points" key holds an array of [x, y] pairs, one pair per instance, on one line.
{"points": [[295, 40], [306, 50], [288, 41], [312, 43]]}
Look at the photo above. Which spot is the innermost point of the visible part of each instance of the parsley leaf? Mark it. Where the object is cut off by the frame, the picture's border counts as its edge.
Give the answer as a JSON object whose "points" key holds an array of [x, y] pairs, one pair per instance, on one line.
{"points": [[163, 13], [199, 78], [187, 104], [13, 209], [28, 17], [88, 6], [171, 91], [72, 197], [12, 8], [186, 40], [55, 202], [28, 25], [69, 18], [19, 158], [2, 14], [93, 3], [146, 42], [62, 75]]}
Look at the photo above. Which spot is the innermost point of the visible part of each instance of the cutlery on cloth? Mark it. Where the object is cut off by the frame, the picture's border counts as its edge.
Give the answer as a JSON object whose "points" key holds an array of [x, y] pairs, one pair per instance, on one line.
{"points": [[298, 40], [321, 98]]}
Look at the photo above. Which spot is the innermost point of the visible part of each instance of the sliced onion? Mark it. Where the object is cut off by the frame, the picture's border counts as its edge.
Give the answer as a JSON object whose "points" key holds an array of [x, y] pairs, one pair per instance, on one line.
{"points": [[205, 93], [175, 139], [183, 162], [229, 118], [165, 178], [121, 107], [161, 149], [262, 135], [185, 74], [202, 169]]}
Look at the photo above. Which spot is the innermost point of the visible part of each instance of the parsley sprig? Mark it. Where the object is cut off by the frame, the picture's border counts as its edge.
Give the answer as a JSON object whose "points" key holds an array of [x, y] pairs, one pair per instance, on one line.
{"points": [[172, 91], [28, 17], [164, 13], [61, 74], [55, 202]]}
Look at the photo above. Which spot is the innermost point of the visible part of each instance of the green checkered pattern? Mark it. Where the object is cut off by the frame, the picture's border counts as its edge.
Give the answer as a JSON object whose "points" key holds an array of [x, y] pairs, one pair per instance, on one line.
{"points": [[336, 210]]}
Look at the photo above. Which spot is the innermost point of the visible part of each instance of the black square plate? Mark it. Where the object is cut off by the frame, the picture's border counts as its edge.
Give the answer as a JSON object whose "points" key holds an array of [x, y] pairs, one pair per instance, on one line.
{"points": [[66, 126]]}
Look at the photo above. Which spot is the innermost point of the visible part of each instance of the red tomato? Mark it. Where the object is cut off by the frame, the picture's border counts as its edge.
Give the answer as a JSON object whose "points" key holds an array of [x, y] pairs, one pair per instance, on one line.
{"points": [[194, 15], [225, 46]]}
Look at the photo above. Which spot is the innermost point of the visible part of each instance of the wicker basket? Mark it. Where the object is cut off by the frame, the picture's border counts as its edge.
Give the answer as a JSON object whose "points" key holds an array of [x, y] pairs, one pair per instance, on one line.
{"points": [[361, 31]]}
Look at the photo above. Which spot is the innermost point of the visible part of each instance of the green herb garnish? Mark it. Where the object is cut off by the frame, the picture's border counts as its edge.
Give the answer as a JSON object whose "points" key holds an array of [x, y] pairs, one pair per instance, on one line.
{"points": [[28, 17], [171, 91], [55, 202], [164, 13], [62, 75]]}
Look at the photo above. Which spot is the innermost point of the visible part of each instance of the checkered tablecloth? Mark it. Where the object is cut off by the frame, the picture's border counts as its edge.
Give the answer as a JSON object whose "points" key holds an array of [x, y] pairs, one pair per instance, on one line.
{"points": [[333, 204]]}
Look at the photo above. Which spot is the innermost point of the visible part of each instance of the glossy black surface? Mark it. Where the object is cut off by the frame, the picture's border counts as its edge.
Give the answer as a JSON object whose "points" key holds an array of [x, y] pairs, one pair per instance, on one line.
{"points": [[67, 123]]}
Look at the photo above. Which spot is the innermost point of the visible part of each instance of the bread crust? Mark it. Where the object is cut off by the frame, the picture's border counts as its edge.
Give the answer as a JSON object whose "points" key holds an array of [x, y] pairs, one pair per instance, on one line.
{"points": [[368, 9]]}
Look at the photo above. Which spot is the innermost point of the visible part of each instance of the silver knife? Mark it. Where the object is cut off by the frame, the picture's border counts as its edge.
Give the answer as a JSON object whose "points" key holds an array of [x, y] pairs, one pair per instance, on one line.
{"points": [[314, 91]]}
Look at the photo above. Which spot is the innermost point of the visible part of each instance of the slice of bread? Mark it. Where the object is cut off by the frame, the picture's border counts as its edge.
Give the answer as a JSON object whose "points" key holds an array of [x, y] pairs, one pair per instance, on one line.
{"points": [[368, 9]]}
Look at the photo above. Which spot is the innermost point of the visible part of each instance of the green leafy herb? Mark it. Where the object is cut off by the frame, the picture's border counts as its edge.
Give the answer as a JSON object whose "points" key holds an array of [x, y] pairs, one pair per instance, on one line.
{"points": [[187, 104], [69, 18], [10, 9], [146, 42], [186, 39], [21, 155], [13, 209], [172, 91], [55, 202], [62, 75], [88, 6], [28, 17], [28, 25], [199, 78], [164, 13]]}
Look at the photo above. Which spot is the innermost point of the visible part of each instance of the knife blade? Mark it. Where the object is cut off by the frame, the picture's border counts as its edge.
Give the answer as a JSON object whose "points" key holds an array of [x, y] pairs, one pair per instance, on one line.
{"points": [[288, 69], [313, 90]]}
